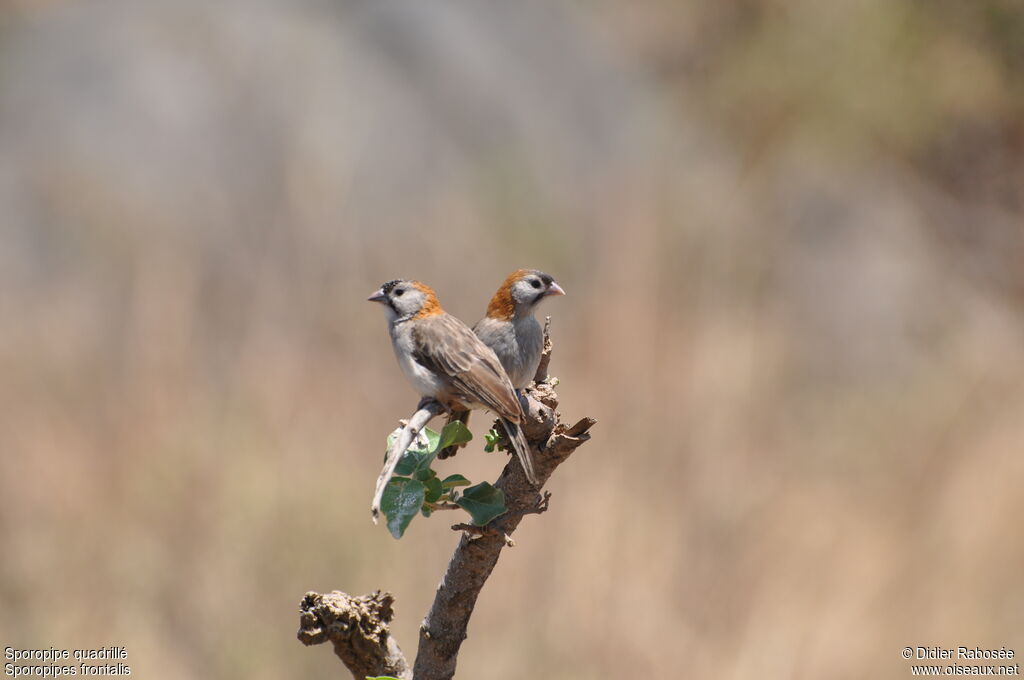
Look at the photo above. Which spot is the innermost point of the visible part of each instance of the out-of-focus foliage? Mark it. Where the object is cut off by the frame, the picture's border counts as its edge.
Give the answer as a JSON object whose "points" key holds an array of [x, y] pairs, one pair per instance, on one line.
{"points": [[791, 233]]}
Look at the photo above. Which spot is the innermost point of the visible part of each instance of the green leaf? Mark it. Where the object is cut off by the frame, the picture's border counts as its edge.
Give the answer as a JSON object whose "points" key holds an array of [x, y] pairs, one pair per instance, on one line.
{"points": [[491, 438], [424, 474], [419, 456], [455, 433], [433, 489], [433, 439], [483, 502], [414, 459], [454, 480], [409, 463], [402, 499]]}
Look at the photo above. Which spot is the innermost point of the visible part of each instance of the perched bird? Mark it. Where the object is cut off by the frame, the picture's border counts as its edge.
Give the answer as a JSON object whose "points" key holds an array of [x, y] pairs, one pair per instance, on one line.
{"points": [[444, 360], [511, 330]]}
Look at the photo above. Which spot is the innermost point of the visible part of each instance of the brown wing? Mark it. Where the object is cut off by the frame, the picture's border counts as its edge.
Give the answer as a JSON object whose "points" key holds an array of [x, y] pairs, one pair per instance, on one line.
{"points": [[447, 346]]}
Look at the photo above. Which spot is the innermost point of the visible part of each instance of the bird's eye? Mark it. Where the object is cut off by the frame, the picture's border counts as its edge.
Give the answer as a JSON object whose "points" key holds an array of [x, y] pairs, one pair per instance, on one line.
{"points": [[535, 283], [398, 292]]}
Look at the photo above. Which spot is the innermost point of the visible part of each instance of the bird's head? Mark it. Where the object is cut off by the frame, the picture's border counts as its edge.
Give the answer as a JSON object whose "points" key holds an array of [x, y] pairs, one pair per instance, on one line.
{"points": [[521, 292], [406, 300]]}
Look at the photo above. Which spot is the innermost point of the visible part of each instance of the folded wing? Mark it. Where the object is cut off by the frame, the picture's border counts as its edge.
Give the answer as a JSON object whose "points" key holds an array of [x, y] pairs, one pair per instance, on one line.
{"points": [[447, 346]]}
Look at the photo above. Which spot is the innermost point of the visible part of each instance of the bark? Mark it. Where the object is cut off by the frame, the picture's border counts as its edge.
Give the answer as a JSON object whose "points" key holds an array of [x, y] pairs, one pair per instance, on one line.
{"points": [[359, 629]]}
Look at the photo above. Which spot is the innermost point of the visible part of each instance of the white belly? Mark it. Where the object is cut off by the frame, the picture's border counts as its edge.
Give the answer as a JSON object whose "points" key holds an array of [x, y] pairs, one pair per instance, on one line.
{"points": [[425, 382]]}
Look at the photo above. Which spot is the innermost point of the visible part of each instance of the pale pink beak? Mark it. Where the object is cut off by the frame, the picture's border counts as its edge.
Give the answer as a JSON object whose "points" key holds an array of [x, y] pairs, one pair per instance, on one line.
{"points": [[378, 296], [554, 289]]}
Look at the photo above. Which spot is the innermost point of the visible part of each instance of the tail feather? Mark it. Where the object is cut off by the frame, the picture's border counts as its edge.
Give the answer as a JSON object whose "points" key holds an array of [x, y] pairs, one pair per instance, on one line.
{"points": [[519, 443]]}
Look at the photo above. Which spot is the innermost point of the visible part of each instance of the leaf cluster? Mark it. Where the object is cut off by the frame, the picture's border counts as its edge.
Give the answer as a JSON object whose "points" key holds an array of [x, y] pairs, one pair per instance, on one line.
{"points": [[416, 488]]}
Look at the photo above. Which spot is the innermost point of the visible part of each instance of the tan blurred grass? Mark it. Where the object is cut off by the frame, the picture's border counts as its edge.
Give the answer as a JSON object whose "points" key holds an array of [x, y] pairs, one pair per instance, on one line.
{"points": [[797, 322]]}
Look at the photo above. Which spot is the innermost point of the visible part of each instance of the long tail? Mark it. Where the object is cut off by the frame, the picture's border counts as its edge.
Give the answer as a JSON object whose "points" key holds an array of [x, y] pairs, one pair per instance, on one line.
{"points": [[450, 451], [515, 434]]}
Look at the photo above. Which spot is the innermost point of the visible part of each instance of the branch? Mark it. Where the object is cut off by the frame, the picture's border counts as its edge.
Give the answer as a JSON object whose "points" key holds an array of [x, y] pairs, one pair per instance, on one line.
{"points": [[359, 629], [545, 356], [444, 627], [427, 409]]}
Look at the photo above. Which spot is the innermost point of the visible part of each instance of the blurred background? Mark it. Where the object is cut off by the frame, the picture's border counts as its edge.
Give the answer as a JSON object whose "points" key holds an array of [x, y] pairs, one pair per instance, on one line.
{"points": [[791, 236]]}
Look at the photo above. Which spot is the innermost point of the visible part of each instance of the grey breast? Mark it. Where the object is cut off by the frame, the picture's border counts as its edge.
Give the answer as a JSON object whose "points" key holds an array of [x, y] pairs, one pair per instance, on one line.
{"points": [[517, 343]]}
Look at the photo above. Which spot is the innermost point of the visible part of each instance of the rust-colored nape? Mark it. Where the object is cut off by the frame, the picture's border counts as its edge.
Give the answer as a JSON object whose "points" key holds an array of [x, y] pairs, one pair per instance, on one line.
{"points": [[431, 307], [502, 306]]}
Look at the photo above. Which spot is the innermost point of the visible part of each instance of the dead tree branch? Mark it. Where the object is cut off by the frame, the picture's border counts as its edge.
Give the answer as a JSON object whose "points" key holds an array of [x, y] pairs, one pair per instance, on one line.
{"points": [[359, 629]]}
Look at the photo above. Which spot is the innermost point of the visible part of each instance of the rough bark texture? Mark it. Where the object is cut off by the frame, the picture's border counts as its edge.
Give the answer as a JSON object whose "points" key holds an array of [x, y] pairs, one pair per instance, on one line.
{"points": [[358, 627]]}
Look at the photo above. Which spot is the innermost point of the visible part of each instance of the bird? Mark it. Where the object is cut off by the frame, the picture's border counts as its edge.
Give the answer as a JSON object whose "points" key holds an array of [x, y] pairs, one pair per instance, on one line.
{"points": [[511, 330], [444, 360]]}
